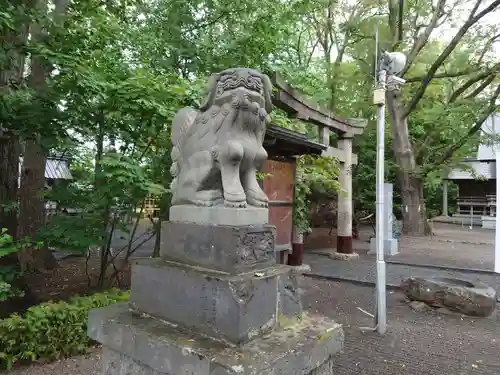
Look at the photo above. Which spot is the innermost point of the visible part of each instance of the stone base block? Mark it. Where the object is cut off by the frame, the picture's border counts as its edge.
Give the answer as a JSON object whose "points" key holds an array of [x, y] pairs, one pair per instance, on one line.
{"points": [[235, 308], [219, 215], [141, 345], [391, 247], [232, 249]]}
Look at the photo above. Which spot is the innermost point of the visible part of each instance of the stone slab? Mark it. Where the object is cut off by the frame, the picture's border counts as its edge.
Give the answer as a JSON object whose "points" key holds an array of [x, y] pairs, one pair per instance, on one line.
{"points": [[391, 246], [231, 249], [142, 345], [219, 215], [235, 308]]}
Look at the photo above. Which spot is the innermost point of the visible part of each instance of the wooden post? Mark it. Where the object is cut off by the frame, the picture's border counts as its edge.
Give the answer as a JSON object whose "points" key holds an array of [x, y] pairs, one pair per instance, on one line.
{"points": [[445, 198], [324, 135]]}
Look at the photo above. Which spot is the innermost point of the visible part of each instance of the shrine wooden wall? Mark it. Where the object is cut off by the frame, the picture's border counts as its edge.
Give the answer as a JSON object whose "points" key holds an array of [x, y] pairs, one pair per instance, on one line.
{"points": [[279, 187]]}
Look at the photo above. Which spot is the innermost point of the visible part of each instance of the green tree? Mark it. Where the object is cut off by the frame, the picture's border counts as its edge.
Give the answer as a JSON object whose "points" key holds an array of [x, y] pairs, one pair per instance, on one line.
{"points": [[446, 113]]}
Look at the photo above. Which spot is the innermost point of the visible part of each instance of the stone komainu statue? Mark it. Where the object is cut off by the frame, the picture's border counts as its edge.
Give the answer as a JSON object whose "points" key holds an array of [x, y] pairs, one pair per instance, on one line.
{"points": [[217, 150]]}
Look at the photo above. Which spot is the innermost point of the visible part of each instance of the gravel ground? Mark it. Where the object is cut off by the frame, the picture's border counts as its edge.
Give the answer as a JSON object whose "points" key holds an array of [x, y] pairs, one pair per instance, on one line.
{"points": [[424, 343], [81, 365]]}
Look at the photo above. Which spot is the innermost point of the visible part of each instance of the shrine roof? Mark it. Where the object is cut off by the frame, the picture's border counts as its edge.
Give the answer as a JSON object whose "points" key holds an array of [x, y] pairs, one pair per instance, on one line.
{"points": [[284, 142]]}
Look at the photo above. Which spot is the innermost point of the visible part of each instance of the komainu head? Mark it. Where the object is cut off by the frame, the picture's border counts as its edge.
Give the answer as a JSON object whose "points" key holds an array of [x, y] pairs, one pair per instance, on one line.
{"points": [[229, 84]]}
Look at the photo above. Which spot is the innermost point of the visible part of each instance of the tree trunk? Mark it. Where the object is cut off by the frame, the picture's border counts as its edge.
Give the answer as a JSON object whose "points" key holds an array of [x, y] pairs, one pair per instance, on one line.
{"points": [[32, 204], [414, 212], [11, 77], [9, 172], [32, 208], [414, 215]]}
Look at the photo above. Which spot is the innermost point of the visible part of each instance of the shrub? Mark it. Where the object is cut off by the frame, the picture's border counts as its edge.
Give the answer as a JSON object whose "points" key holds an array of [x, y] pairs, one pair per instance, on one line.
{"points": [[51, 330]]}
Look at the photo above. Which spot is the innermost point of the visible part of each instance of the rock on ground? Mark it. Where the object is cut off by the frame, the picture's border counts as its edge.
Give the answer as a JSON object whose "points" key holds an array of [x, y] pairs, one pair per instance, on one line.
{"points": [[469, 298]]}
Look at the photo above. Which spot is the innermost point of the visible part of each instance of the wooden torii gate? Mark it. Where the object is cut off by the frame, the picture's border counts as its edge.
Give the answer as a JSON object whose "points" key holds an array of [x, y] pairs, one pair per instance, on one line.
{"points": [[296, 105]]}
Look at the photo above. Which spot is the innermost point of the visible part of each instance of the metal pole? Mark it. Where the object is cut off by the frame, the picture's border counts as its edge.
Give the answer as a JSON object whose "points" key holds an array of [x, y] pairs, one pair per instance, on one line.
{"points": [[497, 218], [381, 276]]}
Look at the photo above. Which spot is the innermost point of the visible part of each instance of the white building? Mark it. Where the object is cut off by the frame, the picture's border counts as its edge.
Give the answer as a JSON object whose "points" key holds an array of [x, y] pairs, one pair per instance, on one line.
{"points": [[476, 203]]}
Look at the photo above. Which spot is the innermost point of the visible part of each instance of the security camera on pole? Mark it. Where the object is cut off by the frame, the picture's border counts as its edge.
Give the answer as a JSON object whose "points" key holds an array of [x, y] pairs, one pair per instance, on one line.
{"points": [[390, 64]]}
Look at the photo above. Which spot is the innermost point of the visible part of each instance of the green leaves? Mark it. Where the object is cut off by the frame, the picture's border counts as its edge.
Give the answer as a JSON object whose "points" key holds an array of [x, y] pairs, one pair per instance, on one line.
{"points": [[314, 175], [51, 330], [7, 245], [8, 274]]}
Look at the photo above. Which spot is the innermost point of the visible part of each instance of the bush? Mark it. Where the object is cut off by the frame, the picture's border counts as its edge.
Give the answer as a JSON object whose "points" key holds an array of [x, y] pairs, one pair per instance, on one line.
{"points": [[51, 330]]}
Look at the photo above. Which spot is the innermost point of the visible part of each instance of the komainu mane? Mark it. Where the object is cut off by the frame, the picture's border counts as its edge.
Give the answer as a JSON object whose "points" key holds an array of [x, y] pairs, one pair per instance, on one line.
{"points": [[217, 150]]}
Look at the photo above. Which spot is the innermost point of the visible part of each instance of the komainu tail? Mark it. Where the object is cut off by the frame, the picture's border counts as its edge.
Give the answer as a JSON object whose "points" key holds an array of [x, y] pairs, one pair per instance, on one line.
{"points": [[180, 125]]}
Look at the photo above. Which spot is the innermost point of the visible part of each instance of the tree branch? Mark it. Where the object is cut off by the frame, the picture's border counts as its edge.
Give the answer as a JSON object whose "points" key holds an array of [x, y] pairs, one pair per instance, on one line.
{"points": [[393, 9], [458, 73], [481, 87], [484, 75], [488, 44], [309, 58], [492, 107], [473, 19], [423, 38]]}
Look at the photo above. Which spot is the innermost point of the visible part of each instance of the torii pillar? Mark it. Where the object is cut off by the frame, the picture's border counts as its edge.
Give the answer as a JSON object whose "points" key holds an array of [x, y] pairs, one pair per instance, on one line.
{"points": [[344, 205]]}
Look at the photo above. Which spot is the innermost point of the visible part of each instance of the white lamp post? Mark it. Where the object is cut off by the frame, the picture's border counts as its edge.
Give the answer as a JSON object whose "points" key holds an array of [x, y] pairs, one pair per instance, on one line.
{"points": [[390, 63]]}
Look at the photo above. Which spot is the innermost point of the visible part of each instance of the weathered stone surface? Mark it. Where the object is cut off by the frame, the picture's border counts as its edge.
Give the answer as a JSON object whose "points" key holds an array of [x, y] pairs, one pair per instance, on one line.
{"points": [[219, 215], [134, 344], [290, 293], [236, 308], [470, 298], [115, 363], [343, 256], [231, 249], [419, 306], [217, 150]]}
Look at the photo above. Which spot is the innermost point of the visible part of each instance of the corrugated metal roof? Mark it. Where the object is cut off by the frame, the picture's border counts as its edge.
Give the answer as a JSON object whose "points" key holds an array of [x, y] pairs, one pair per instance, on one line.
{"points": [[57, 169], [480, 169]]}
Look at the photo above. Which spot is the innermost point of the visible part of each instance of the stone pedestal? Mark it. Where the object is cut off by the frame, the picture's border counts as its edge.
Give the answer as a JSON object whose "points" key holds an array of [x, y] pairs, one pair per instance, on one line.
{"points": [[234, 308], [214, 303], [219, 215], [225, 248], [137, 344]]}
